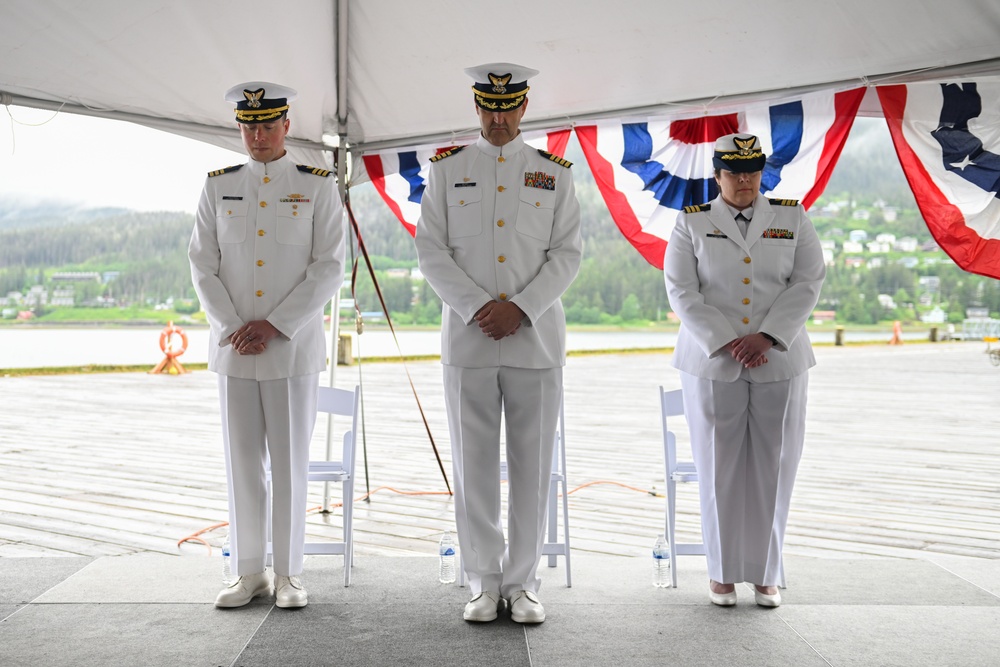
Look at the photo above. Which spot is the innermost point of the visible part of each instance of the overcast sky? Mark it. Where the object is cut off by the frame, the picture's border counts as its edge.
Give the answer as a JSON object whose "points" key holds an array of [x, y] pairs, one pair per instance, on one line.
{"points": [[46, 155]]}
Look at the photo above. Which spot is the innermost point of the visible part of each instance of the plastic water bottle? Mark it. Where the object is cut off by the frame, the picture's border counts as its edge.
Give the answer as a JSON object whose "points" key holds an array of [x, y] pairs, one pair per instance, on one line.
{"points": [[661, 563], [227, 572], [447, 551]]}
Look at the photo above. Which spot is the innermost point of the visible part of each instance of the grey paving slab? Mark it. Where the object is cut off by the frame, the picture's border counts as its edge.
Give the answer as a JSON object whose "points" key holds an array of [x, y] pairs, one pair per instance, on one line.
{"points": [[895, 636], [979, 571], [137, 578], [741, 636], [7, 609], [24, 579], [377, 635], [888, 581], [112, 635]]}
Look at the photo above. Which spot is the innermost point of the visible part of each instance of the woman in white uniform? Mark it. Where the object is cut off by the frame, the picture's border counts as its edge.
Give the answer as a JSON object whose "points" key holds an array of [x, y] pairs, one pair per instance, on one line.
{"points": [[744, 273]]}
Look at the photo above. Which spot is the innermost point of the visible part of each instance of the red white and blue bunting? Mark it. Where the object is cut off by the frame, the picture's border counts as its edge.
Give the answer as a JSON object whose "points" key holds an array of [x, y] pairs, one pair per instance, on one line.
{"points": [[947, 137]]}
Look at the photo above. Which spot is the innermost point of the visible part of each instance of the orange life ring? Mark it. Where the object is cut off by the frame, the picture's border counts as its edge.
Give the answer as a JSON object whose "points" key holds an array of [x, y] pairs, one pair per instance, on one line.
{"points": [[168, 344]]}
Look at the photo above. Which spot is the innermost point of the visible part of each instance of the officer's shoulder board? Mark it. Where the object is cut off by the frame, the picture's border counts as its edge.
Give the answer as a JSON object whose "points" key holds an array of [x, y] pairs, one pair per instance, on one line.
{"points": [[698, 208], [219, 172], [304, 168], [447, 153], [784, 202], [562, 162]]}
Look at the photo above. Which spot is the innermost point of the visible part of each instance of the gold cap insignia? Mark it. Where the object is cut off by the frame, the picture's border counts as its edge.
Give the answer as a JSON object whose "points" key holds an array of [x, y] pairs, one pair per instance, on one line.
{"points": [[499, 83], [253, 97]]}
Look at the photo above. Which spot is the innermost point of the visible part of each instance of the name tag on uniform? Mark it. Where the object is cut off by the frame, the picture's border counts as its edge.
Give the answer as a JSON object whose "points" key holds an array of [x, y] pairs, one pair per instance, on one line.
{"points": [[716, 234], [231, 197], [465, 185]]}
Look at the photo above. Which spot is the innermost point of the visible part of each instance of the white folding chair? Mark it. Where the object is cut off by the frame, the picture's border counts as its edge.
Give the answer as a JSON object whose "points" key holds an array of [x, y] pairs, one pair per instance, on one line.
{"points": [[552, 547], [672, 405], [343, 403]]}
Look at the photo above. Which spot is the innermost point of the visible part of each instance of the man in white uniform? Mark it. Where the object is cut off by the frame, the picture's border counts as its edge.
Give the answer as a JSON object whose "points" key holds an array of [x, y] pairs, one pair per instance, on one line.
{"points": [[744, 274], [499, 241], [267, 254]]}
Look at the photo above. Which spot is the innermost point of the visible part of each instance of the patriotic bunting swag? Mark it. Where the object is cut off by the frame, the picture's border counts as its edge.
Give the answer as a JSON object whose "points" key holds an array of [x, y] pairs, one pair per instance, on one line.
{"points": [[947, 137], [647, 172]]}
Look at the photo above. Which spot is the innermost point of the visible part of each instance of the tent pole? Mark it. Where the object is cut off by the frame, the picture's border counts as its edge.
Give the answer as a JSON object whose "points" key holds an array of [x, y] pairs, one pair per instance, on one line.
{"points": [[341, 158]]}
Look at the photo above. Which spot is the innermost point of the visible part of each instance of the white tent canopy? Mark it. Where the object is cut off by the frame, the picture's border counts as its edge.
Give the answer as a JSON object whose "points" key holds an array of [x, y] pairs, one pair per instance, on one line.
{"points": [[375, 74]]}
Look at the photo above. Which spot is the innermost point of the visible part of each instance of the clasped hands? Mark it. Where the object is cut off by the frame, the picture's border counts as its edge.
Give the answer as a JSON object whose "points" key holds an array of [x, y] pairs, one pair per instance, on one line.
{"points": [[253, 337], [498, 319], [750, 350]]}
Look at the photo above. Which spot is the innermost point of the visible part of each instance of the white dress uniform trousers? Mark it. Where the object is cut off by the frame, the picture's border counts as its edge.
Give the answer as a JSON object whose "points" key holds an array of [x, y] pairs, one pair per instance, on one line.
{"points": [[268, 243], [747, 425], [501, 224]]}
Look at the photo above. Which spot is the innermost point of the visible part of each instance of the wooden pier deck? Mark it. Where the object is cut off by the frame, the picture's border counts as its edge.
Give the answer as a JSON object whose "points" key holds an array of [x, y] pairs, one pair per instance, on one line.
{"points": [[902, 458]]}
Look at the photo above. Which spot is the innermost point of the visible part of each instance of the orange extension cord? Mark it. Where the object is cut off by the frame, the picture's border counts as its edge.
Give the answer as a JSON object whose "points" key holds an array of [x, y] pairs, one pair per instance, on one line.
{"points": [[196, 536]]}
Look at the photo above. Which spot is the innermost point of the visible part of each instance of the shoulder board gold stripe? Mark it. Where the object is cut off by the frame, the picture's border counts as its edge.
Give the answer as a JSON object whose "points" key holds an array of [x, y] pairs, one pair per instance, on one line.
{"points": [[441, 156], [313, 170], [562, 162], [225, 170]]}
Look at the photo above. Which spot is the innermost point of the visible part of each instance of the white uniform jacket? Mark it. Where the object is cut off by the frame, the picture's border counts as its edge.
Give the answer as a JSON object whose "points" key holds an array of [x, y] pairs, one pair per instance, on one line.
{"points": [[500, 223], [723, 287], [268, 243]]}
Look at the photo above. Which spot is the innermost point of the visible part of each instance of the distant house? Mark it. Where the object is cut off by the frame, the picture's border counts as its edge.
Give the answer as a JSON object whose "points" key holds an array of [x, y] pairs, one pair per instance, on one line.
{"points": [[853, 247], [909, 262], [889, 239], [930, 283], [76, 277], [828, 256], [889, 213], [875, 262], [828, 244], [397, 273], [861, 214], [879, 247], [906, 244], [977, 313], [858, 235], [934, 316], [886, 301], [853, 262], [823, 316], [62, 297]]}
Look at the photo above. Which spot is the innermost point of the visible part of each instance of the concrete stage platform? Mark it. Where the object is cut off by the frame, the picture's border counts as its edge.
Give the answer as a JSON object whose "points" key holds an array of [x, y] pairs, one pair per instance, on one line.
{"points": [[154, 609]]}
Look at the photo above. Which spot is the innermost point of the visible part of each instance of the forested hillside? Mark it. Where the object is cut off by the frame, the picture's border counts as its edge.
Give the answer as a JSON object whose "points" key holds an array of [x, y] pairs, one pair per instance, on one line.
{"points": [[142, 257]]}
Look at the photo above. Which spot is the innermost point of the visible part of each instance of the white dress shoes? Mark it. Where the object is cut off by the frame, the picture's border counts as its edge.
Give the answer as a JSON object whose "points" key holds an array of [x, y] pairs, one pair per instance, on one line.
{"points": [[289, 593], [766, 600], [483, 607], [525, 608], [722, 599], [244, 589]]}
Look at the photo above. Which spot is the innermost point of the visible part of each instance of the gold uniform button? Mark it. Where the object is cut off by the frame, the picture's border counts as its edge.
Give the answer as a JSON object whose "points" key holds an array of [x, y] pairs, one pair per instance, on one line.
{"points": [[537, 204], [746, 320], [746, 281], [501, 259], [500, 188], [503, 296], [229, 212], [267, 179], [500, 159], [294, 206], [260, 232], [260, 262], [746, 301], [461, 202], [500, 223], [746, 260], [294, 213], [263, 204], [260, 292]]}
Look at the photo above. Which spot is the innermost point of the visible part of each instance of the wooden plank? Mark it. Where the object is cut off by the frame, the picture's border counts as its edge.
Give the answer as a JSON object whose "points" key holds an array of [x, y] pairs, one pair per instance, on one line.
{"points": [[899, 460]]}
